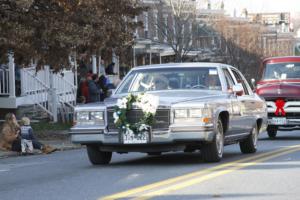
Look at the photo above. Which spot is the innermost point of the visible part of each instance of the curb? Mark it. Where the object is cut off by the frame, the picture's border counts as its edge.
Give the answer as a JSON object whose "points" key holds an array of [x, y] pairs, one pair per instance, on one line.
{"points": [[8, 154]]}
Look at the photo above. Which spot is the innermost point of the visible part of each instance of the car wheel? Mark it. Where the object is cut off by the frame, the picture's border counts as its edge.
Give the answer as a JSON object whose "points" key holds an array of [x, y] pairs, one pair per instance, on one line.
{"points": [[213, 152], [154, 153], [272, 132], [250, 144], [96, 156]]}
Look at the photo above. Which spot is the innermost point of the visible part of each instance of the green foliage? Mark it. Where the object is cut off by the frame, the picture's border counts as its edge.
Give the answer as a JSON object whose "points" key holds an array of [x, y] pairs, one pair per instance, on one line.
{"points": [[46, 126], [122, 123], [52, 30]]}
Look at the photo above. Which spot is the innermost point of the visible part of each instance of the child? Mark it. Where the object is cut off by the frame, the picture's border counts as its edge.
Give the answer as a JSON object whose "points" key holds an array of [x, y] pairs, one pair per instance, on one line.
{"points": [[28, 141]]}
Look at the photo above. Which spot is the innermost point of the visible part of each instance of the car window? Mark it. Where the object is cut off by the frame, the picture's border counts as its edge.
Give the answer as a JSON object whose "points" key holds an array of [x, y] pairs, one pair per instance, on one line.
{"points": [[240, 79], [156, 79], [228, 78], [126, 84]]}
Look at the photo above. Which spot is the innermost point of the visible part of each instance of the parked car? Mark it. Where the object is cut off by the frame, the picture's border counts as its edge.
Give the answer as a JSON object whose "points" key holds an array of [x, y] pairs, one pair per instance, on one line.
{"points": [[280, 86], [199, 106]]}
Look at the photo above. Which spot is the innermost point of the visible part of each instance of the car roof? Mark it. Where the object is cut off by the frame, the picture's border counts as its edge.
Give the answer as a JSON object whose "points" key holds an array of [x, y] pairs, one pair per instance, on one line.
{"points": [[178, 65], [280, 59]]}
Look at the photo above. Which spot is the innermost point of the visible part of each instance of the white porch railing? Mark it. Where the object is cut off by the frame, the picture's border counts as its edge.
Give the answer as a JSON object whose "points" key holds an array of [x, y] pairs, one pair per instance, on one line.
{"points": [[4, 81], [33, 86], [49, 90], [66, 90]]}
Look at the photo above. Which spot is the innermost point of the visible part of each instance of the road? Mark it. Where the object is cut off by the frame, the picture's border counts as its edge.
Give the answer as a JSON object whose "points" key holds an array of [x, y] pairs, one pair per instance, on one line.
{"points": [[271, 173]]}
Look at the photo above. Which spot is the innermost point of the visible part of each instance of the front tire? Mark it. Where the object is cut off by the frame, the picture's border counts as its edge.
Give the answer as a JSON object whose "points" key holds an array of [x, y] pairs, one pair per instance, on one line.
{"points": [[250, 144], [213, 152], [96, 156], [272, 132]]}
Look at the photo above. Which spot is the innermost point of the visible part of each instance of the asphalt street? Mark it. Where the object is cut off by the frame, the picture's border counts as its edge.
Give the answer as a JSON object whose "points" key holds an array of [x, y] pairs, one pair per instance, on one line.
{"points": [[271, 173]]}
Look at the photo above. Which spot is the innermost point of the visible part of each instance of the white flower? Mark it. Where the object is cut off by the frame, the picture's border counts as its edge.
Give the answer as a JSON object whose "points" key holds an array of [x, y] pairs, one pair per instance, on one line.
{"points": [[122, 103], [129, 132], [148, 103], [116, 117], [143, 127]]}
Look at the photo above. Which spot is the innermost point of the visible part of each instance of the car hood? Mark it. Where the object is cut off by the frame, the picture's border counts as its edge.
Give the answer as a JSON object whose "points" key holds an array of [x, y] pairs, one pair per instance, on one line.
{"points": [[279, 90], [168, 98]]}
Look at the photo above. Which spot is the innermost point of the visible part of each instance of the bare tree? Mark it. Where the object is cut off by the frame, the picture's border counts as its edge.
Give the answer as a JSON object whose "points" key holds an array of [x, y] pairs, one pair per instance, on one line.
{"points": [[241, 44], [175, 22]]}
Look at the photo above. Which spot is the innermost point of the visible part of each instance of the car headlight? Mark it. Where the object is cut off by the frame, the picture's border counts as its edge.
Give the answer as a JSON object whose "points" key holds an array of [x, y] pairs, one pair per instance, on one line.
{"points": [[97, 115], [89, 118], [181, 113], [195, 113], [82, 116]]}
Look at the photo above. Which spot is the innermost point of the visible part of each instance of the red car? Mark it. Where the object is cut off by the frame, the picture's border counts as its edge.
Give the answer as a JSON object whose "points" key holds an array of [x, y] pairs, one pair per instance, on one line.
{"points": [[280, 86]]}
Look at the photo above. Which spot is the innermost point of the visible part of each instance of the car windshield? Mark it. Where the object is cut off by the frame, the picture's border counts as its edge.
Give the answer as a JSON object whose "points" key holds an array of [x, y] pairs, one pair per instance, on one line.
{"points": [[204, 78], [282, 71]]}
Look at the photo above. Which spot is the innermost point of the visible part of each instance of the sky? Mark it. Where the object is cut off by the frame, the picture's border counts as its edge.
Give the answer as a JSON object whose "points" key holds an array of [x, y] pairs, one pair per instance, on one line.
{"points": [[292, 6]]}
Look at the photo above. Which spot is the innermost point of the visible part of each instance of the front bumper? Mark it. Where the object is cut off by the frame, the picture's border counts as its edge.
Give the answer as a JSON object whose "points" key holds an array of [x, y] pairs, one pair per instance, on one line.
{"points": [[292, 114], [288, 122], [283, 121], [174, 135]]}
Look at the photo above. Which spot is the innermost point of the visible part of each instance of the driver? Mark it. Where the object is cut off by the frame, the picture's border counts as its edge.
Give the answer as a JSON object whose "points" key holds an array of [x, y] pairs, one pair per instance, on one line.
{"points": [[213, 82]]}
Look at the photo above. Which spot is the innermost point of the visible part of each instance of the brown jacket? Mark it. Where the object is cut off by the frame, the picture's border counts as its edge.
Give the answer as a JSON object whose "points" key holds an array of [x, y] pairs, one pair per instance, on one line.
{"points": [[9, 134]]}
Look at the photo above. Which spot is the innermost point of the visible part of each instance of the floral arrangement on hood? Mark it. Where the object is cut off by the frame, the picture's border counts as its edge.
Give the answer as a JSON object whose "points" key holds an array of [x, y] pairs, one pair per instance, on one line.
{"points": [[146, 102]]}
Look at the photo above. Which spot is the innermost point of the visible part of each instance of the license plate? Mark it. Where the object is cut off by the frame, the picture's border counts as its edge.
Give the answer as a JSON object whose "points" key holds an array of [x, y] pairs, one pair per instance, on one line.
{"points": [[140, 138], [279, 120]]}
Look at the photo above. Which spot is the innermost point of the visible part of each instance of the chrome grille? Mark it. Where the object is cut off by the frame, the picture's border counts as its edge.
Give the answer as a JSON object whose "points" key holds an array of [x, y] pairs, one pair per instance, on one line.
{"points": [[161, 122]]}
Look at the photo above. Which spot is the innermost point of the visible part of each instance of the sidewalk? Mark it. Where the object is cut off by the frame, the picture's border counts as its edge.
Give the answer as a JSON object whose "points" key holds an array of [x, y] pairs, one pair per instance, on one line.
{"points": [[60, 140]]}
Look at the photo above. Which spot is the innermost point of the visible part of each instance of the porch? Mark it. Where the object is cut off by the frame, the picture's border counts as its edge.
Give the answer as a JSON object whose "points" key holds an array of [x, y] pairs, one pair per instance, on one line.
{"points": [[48, 90]]}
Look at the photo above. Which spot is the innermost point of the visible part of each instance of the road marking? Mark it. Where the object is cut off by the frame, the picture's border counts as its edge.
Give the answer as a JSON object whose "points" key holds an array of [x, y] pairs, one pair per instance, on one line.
{"points": [[174, 181], [212, 175]]}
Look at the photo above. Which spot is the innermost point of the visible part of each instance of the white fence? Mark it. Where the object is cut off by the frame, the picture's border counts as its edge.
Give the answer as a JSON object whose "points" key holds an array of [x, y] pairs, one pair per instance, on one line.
{"points": [[49, 90], [4, 81]]}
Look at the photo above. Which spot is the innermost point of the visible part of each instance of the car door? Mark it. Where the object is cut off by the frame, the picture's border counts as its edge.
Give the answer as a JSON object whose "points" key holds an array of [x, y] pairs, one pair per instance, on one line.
{"points": [[235, 111], [247, 103]]}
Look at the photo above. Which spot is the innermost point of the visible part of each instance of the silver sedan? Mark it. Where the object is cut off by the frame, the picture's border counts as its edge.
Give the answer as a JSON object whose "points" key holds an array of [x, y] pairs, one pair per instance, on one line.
{"points": [[201, 106]]}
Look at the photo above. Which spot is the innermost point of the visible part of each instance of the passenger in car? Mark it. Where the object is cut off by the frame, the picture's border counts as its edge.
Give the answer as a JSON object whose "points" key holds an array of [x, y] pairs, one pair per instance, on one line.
{"points": [[161, 83], [174, 83]]}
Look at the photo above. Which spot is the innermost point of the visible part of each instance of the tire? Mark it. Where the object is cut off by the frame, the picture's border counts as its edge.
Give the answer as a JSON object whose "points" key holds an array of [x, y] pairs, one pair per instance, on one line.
{"points": [[272, 132], [213, 152], [96, 156], [250, 144]]}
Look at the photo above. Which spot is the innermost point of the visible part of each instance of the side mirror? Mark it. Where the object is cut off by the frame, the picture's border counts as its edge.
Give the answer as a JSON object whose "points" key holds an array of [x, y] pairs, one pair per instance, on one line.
{"points": [[253, 83], [238, 89]]}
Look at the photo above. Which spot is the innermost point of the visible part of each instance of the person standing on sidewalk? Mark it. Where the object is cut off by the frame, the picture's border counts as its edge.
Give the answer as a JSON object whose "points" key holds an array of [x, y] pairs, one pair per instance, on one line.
{"points": [[94, 90]]}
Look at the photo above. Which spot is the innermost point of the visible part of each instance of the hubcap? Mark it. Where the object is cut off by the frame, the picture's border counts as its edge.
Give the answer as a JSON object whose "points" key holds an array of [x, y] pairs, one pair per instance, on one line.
{"points": [[219, 140]]}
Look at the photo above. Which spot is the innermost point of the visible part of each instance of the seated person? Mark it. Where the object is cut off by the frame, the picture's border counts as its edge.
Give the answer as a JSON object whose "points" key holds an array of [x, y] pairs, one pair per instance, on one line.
{"points": [[213, 82], [161, 83], [188, 83], [28, 140], [174, 83]]}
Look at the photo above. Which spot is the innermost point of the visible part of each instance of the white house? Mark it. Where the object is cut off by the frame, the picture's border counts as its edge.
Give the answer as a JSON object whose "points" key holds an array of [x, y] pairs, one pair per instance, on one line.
{"points": [[48, 90]]}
